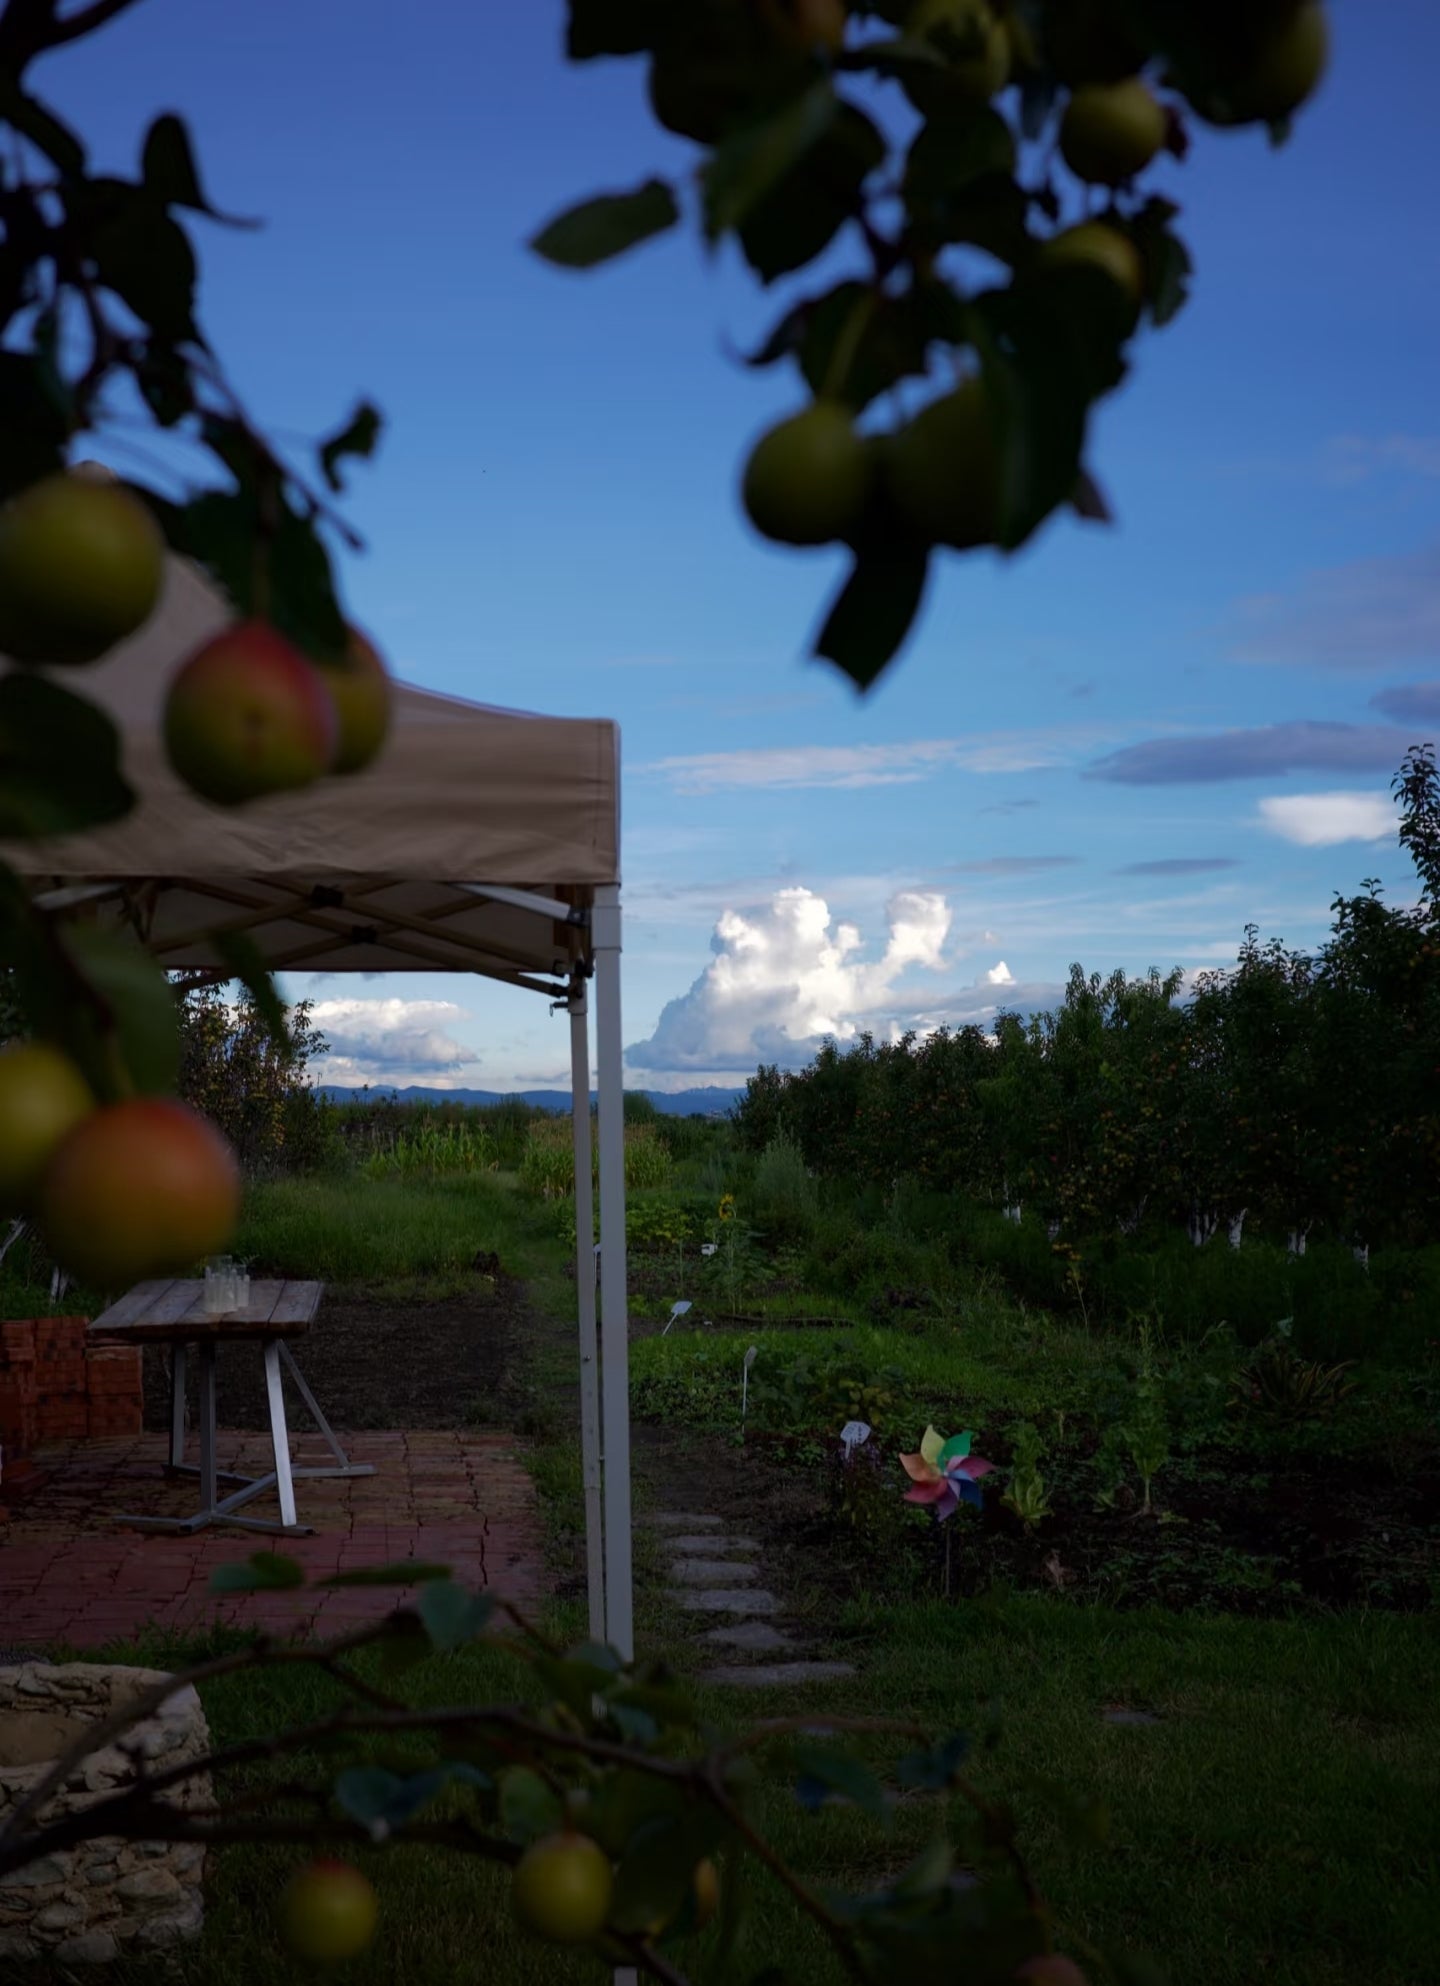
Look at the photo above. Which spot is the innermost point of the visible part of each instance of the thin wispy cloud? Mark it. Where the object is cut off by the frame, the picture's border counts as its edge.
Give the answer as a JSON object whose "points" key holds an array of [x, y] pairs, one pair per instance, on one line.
{"points": [[1370, 614], [1179, 865], [1410, 703], [1011, 865], [1007, 806], [1307, 745], [1354, 458], [787, 767], [1322, 820]]}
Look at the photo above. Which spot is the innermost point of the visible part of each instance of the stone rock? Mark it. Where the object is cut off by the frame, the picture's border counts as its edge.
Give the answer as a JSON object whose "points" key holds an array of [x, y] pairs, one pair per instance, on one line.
{"points": [[751, 1636], [90, 1948], [710, 1572], [152, 1887], [682, 1520], [61, 1917], [711, 1541], [775, 1675], [726, 1600], [35, 1875], [176, 1926]]}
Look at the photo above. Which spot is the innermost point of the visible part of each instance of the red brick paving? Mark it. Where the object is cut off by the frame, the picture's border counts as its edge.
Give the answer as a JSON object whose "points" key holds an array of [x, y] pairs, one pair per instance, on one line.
{"points": [[70, 1573]]}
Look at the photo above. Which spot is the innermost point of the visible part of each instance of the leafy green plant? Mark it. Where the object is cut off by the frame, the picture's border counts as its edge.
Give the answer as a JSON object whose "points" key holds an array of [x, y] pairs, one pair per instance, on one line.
{"points": [[783, 1192], [1026, 1495], [1282, 1386], [1146, 1430]]}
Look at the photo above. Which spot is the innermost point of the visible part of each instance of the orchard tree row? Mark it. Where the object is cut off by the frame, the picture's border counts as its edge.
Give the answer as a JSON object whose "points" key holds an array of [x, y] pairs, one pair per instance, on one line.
{"points": [[1302, 1094]]}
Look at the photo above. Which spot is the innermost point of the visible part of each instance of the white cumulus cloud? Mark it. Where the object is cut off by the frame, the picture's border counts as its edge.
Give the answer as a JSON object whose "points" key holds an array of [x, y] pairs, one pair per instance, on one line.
{"points": [[784, 977], [392, 1041], [1320, 820], [1000, 975]]}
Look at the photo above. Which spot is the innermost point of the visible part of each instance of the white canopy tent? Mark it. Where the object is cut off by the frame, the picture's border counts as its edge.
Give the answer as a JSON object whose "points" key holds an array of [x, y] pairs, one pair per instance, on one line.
{"points": [[481, 841]]}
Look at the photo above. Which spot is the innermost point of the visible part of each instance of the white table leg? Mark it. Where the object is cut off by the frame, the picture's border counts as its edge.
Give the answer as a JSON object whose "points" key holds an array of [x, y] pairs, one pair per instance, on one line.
{"points": [[279, 1433], [207, 1424], [177, 1406]]}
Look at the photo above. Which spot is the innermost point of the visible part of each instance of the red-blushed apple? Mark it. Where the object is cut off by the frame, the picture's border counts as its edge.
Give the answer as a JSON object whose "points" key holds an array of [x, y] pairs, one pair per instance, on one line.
{"points": [[328, 1911], [81, 563], [1051, 1969], [248, 714], [43, 1096], [360, 690], [140, 1188]]}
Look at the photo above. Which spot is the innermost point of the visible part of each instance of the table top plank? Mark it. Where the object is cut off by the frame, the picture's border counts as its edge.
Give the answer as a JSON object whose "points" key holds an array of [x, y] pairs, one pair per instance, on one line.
{"points": [[175, 1313], [297, 1303], [134, 1304]]}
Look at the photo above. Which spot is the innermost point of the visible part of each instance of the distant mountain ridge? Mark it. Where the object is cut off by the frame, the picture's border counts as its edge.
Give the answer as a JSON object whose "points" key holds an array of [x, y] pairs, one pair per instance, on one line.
{"points": [[711, 1102]]}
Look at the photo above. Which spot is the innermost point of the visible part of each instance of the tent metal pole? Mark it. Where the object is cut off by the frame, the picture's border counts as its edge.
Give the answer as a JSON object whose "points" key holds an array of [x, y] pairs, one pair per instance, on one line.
{"points": [[614, 1331], [585, 1309]]}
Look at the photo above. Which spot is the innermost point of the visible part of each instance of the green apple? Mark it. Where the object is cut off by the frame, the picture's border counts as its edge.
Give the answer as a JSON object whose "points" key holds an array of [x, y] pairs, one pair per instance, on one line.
{"points": [[81, 565]]}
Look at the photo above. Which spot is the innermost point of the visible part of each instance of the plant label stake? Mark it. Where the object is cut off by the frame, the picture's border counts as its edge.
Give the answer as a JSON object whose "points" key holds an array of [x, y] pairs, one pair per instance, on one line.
{"points": [[750, 1358], [676, 1310]]}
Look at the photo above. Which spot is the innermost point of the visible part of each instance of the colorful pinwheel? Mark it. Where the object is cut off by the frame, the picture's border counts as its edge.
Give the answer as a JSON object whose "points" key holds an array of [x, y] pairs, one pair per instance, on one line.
{"points": [[944, 1473]]}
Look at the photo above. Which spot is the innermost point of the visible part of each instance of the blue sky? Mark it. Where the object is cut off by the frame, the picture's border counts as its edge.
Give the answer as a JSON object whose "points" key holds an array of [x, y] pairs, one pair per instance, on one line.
{"points": [[1118, 748]]}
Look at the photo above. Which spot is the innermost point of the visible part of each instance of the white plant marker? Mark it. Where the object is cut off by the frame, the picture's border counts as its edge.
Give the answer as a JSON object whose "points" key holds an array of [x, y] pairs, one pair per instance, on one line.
{"points": [[676, 1310], [750, 1358]]}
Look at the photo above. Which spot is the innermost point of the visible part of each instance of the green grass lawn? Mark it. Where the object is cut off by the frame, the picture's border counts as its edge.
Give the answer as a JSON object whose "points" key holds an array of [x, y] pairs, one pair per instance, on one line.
{"points": [[1276, 1824]]}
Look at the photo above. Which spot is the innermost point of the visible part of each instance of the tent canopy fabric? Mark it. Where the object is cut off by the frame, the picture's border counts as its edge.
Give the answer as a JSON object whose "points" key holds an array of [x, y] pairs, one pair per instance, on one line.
{"points": [[480, 841], [374, 872]]}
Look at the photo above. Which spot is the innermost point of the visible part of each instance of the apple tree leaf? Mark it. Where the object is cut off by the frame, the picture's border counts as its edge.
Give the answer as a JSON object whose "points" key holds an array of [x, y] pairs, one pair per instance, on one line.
{"points": [[874, 610], [403, 1572], [167, 162], [262, 1572], [239, 951], [529, 1808], [600, 229], [741, 171], [59, 761], [796, 216], [451, 1615], [358, 437], [33, 428], [613, 27]]}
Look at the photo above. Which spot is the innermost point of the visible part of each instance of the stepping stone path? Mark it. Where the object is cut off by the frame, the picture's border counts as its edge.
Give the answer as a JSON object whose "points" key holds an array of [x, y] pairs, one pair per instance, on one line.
{"points": [[710, 1573]]}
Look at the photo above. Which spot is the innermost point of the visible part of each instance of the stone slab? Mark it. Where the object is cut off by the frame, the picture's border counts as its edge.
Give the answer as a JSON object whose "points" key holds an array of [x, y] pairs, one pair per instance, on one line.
{"points": [[711, 1572], [726, 1600], [682, 1520], [711, 1541], [753, 1637], [775, 1675]]}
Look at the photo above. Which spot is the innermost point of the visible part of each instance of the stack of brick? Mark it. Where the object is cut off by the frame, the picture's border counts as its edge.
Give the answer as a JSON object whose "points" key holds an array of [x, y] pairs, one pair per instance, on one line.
{"points": [[19, 1409], [60, 1378], [114, 1385], [56, 1386]]}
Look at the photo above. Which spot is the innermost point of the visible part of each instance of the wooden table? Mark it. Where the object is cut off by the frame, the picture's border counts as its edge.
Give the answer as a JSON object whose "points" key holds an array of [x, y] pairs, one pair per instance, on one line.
{"points": [[174, 1314]]}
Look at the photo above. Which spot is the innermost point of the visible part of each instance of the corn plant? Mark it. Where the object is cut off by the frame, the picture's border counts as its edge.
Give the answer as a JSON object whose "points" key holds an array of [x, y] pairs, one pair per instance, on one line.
{"points": [[1146, 1431]]}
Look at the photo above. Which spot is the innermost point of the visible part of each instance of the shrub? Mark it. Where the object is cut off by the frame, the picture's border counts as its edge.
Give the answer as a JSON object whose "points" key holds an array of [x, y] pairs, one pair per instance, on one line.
{"points": [[782, 1192]]}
